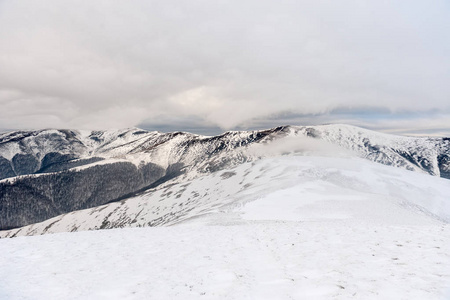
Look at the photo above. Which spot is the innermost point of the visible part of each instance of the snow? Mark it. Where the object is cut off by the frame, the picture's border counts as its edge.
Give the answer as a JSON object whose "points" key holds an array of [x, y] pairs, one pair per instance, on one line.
{"points": [[289, 227], [257, 260], [299, 188], [351, 137]]}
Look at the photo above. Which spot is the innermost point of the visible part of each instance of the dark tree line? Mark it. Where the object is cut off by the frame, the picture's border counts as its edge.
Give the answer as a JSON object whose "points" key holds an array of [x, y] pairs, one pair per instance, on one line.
{"points": [[32, 199]]}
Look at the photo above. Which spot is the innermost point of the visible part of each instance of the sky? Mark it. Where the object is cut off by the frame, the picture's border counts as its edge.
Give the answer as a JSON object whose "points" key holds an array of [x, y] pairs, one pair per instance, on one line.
{"points": [[211, 66]]}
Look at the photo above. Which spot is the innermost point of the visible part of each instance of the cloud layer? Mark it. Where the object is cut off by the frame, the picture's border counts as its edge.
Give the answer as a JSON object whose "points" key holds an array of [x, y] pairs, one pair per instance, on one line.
{"points": [[223, 64]]}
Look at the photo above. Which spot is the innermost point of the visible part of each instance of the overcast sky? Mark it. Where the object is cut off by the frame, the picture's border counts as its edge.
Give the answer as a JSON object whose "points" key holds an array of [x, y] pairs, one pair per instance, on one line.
{"points": [[210, 66]]}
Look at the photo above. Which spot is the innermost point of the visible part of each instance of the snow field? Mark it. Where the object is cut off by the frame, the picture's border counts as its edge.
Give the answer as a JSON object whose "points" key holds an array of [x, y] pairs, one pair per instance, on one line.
{"points": [[258, 260]]}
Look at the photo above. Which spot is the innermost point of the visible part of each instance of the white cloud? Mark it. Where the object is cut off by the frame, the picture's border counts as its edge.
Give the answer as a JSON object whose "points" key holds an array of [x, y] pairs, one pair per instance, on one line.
{"points": [[117, 64]]}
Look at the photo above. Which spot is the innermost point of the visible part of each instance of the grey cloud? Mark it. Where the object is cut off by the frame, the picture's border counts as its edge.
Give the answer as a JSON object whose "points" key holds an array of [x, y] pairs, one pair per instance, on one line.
{"points": [[412, 123], [220, 64]]}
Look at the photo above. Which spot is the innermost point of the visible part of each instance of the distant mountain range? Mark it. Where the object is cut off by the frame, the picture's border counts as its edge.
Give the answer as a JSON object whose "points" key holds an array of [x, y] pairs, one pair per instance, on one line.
{"points": [[48, 173]]}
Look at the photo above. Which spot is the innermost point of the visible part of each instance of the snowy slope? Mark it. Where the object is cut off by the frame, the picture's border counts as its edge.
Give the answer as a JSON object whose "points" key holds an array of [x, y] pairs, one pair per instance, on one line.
{"points": [[290, 227], [431, 155], [301, 188], [68, 170]]}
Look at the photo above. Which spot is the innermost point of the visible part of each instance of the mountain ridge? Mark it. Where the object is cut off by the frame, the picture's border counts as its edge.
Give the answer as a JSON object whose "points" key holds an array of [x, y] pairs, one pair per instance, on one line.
{"points": [[65, 170]]}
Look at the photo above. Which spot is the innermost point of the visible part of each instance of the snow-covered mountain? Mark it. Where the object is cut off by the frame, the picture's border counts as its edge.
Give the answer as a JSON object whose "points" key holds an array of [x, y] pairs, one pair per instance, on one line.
{"points": [[287, 213], [52, 172], [290, 227], [43, 151]]}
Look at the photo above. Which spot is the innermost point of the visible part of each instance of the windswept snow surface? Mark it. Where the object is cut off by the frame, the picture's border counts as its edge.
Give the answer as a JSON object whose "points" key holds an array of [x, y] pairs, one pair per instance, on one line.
{"points": [[257, 260], [279, 228]]}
